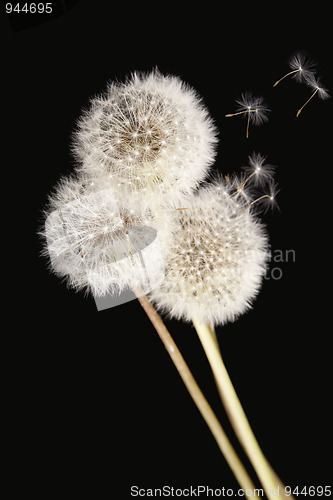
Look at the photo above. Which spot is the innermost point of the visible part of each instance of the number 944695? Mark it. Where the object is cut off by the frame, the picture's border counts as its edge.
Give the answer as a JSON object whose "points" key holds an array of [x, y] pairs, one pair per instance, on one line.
{"points": [[31, 8]]}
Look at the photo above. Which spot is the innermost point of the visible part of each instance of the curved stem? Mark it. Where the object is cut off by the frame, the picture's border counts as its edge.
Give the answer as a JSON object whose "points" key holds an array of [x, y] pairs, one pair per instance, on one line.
{"points": [[240, 113], [298, 112], [256, 200], [205, 409], [285, 76]]}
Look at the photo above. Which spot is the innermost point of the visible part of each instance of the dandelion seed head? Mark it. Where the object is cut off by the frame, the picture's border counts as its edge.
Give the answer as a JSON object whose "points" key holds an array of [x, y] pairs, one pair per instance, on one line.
{"points": [[215, 261], [152, 133], [93, 239]]}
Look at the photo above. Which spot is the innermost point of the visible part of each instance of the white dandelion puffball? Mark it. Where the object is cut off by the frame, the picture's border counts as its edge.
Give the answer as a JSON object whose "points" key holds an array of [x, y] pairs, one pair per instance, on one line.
{"points": [[96, 242], [216, 259], [151, 134]]}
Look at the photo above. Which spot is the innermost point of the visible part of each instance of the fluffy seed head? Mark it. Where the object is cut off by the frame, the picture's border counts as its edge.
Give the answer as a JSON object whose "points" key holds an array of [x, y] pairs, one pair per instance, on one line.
{"points": [[96, 242], [216, 258], [151, 134]]}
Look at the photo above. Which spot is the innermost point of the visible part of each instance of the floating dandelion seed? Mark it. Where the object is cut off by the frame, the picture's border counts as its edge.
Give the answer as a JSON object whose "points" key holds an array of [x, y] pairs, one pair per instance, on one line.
{"points": [[267, 200], [317, 88], [258, 170], [252, 106], [301, 69]]}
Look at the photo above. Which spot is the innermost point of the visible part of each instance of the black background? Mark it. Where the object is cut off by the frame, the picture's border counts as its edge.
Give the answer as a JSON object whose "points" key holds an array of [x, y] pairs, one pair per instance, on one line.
{"points": [[93, 399]]}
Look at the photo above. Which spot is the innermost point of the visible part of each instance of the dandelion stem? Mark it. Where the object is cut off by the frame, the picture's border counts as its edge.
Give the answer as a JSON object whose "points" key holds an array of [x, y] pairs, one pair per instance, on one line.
{"points": [[242, 186], [290, 73], [275, 476], [235, 411], [202, 404], [240, 113], [298, 112], [258, 199], [247, 126], [235, 114]]}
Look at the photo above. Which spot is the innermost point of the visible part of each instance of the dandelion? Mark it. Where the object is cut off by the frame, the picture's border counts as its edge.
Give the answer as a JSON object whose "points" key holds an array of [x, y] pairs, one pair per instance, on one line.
{"points": [[96, 242], [215, 260], [315, 85], [253, 107], [151, 134], [141, 145], [301, 68], [213, 271]]}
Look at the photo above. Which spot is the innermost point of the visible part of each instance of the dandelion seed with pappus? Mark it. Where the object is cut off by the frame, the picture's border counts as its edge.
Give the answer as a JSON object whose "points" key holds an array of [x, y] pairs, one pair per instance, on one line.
{"points": [[251, 107], [258, 170], [315, 85], [302, 69], [256, 173]]}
